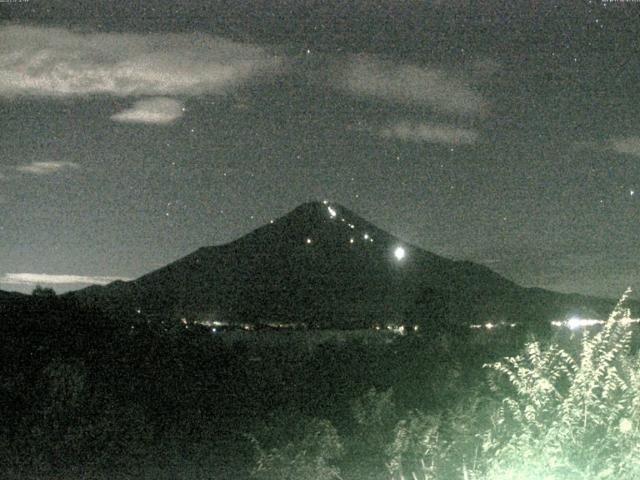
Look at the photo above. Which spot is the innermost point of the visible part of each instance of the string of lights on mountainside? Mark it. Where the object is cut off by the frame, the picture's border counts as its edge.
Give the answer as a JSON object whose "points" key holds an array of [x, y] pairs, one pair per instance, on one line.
{"points": [[399, 252]]}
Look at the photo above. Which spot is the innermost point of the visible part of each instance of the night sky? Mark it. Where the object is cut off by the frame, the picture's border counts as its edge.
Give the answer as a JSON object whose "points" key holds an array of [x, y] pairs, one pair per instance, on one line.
{"points": [[506, 133]]}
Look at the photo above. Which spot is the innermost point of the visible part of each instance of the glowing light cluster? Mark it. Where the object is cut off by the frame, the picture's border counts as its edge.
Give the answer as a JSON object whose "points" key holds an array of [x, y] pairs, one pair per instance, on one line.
{"points": [[575, 323], [491, 326], [332, 212], [400, 253]]}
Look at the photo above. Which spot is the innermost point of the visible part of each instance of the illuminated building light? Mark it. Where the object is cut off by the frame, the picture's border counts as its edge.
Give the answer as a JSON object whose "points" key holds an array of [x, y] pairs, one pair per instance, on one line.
{"points": [[332, 212], [415, 328], [513, 325], [351, 240], [308, 241], [625, 425], [214, 330], [397, 329], [270, 221], [366, 236], [576, 322], [399, 253], [325, 201], [352, 226], [475, 326], [627, 320], [138, 310], [489, 326]]}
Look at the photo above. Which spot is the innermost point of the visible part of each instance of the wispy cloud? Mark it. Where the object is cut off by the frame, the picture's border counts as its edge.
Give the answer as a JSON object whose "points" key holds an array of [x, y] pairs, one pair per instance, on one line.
{"points": [[627, 145], [409, 84], [425, 132], [158, 110], [46, 168], [44, 278], [57, 62]]}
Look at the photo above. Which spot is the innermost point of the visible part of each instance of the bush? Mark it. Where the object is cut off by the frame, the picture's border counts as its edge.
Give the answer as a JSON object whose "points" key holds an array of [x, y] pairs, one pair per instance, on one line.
{"points": [[312, 456], [569, 415]]}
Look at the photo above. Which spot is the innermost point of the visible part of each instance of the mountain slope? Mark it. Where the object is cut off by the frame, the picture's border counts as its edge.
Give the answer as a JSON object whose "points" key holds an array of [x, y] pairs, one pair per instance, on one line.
{"points": [[323, 265]]}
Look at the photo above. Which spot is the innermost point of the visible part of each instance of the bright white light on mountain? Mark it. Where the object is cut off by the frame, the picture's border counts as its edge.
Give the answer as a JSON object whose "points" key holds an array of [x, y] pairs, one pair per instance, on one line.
{"points": [[399, 253], [308, 241], [351, 240], [489, 326], [332, 212], [366, 236]]}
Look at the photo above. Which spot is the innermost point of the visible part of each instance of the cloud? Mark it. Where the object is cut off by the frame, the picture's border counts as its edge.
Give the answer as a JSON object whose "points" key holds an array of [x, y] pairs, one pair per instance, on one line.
{"points": [[57, 62], [627, 145], [158, 110], [46, 168], [425, 132], [409, 84], [44, 278]]}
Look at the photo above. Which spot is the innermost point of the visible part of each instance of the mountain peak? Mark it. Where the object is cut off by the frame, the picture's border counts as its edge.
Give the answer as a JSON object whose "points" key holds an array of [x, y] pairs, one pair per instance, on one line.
{"points": [[324, 265], [323, 208]]}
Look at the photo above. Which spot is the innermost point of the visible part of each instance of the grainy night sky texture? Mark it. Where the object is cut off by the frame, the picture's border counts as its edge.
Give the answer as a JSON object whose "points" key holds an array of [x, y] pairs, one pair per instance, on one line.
{"points": [[506, 133]]}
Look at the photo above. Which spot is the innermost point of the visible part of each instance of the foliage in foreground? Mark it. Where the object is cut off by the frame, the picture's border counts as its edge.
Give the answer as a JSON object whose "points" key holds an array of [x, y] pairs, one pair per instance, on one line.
{"points": [[570, 416], [554, 414]]}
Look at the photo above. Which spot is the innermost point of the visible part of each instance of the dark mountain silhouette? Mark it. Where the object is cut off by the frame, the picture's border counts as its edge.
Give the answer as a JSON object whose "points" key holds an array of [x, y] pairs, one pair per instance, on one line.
{"points": [[10, 295], [9, 298], [325, 266]]}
